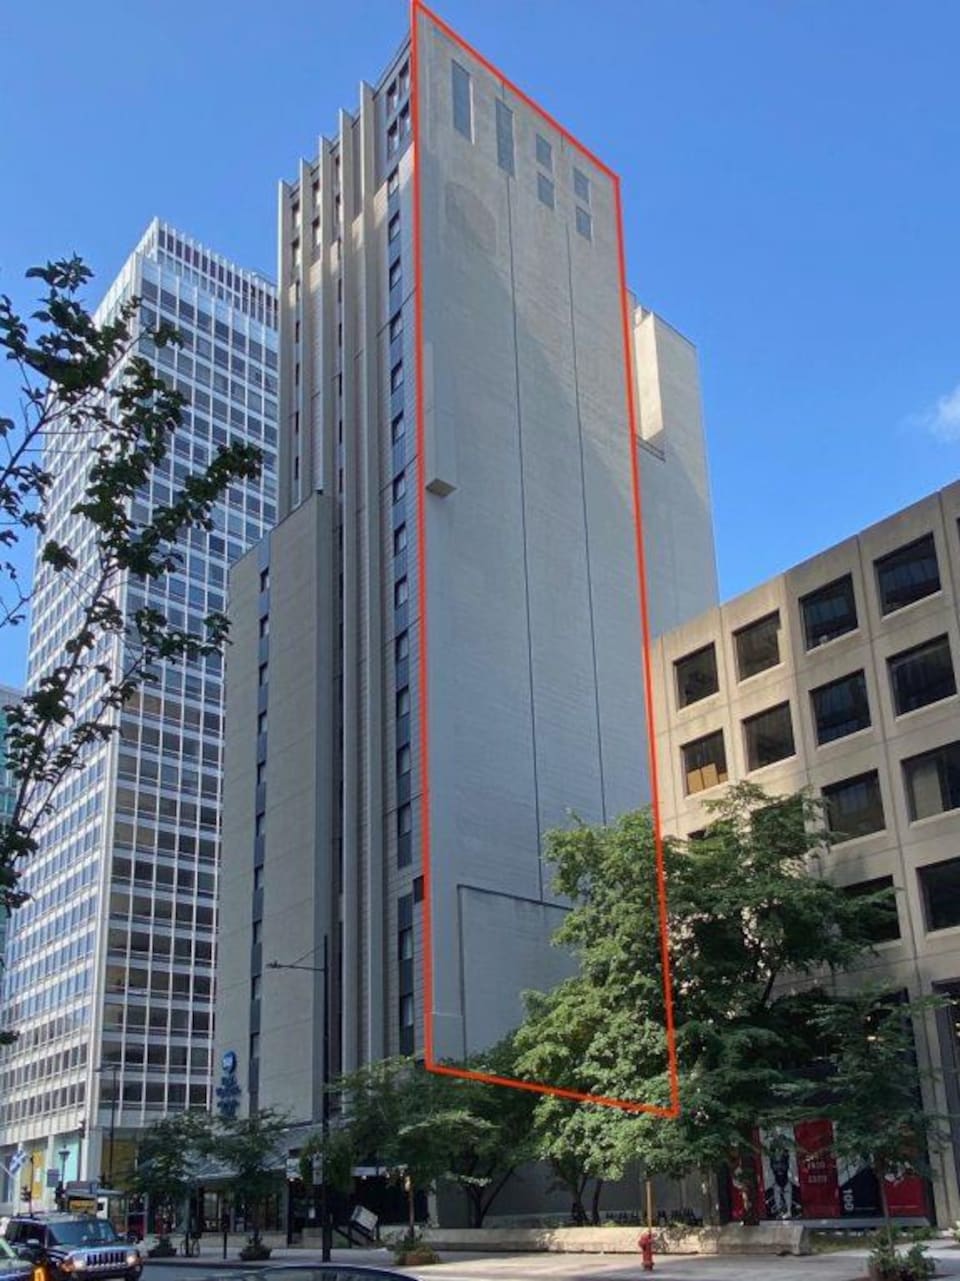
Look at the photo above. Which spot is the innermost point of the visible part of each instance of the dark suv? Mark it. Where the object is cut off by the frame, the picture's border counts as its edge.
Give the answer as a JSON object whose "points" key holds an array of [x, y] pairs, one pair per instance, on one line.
{"points": [[71, 1245]]}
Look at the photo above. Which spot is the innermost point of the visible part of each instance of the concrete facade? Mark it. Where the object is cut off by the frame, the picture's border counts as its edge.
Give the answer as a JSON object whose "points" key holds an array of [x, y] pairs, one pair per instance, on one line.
{"points": [[873, 709], [509, 547]]}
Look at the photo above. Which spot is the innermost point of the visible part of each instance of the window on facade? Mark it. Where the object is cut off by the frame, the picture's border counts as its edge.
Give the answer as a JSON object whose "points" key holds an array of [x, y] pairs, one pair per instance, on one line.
{"points": [[399, 539], [908, 574], [401, 647], [829, 612], [396, 326], [396, 376], [393, 182], [397, 428], [404, 820], [758, 645], [581, 186], [704, 762], [940, 889], [403, 120], [399, 486], [403, 760], [545, 190], [403, 701], [544, 152], [401, 593], [265, 625], [922, 675], [395, 273], [264, 579], [505, 137], [768, 736], [584, 224], [462, 106], [393, 228], [262, 723], [854, 806], [393, 139], [932, 781], [886, 923], [840, 707], [696, 676], [262, 674]]}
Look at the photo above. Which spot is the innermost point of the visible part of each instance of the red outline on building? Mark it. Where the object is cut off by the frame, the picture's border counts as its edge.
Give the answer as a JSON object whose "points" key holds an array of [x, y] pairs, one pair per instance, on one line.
{"points": [[417, 8]]}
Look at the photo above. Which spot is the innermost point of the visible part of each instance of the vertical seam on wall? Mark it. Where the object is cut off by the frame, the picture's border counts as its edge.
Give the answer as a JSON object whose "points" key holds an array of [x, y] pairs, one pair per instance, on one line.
{"points": [[586, 531], [523, 535]]}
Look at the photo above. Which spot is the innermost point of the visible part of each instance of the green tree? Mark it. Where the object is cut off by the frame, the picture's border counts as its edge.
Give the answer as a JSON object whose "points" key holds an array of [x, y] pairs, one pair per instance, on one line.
{"points": [[251, 1148], [167, 1159], [84, 388], [752, 934], [426, 1127]]}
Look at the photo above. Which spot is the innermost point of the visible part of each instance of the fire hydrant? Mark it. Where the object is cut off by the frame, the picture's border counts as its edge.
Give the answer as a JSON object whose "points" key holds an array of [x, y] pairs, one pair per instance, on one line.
{"points": [[645, 1242]]}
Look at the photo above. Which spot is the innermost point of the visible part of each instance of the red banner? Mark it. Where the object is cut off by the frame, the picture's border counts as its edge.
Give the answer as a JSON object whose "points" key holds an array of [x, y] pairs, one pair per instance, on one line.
{"points": [[819, 1190]]}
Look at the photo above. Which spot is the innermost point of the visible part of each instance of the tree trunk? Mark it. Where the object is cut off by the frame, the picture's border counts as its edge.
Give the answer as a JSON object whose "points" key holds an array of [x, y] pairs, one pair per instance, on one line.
{"points": [[595, 1203]]}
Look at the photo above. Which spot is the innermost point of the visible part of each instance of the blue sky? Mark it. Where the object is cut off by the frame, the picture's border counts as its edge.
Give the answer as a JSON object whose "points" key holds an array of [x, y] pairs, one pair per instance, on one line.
{"points": [[790, 184]]}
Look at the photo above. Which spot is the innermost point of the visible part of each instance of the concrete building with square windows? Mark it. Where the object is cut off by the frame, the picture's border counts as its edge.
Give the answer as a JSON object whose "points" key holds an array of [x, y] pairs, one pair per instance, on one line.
{"points": [[110, 963], [441, 643], [841, 676]]}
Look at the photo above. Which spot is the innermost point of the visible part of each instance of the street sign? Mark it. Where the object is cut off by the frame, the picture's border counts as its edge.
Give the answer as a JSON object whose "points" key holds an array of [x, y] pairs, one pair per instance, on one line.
{"points": [[53, 1177]]}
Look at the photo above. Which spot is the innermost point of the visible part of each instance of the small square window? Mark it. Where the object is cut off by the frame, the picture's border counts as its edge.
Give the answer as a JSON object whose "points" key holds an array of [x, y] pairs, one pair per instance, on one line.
{"points": [[397, 429], [265, 625], [933, 781], [545, 190], [940, 886], [396, 273], [396, 326], [418, 889], [393, 182], [462, 100], [401, 647], [403, 761], [922, 675], [262, 723], [829, 612], [544, 152], [262, 674], [841, 707], [401, 593], [403, 701], [908, 574], [393, 139], [399, 487], [404, 820], [264, 579], [393, 228], [769, 736], [704, 762], [399, 539], [854, 807], [581, 186], [758, 646], [396, 376], [403, 120], [696, 676], [392, 98], [584, 224]]}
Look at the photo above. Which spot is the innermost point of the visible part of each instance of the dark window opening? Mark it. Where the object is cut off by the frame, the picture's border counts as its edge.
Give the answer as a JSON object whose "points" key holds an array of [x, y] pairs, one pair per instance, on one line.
{"points": [[769, 736], [922, 675], [829, 612], [841, 707], [758, 645], [933, 781], [854, 807], [940, 889], [696, 676], [908, 574], [884, 925], [704, 762]]}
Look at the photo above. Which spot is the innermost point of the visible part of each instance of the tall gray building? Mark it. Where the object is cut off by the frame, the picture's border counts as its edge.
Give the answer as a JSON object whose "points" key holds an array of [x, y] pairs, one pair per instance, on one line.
{"points": [[438, 652], [8, 793], [109, 977]]}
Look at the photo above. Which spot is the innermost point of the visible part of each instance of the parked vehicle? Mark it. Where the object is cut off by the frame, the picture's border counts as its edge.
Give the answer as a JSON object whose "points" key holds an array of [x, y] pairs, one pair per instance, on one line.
{"points": [[13, 1267], [67, 1245]]}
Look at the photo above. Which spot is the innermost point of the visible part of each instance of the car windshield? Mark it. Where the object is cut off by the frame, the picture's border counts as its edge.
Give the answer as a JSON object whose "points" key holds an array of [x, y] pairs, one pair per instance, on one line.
{"points": [[84, 1232]]}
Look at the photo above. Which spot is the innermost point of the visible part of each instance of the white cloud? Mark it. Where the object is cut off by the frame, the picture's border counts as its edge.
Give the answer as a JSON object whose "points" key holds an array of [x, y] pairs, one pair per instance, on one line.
{"points": [[943, 419]]}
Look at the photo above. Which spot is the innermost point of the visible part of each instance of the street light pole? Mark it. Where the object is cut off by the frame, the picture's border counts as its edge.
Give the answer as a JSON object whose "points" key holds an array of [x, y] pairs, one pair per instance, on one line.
{"points": [[325, 1233], [112, 1068]]}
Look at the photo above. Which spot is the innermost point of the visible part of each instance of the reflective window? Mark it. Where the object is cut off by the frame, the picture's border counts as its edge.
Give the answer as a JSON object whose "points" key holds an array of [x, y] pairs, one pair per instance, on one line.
{"points": [[922, 675], [758, 645], [462, 107], [841, 707], [940, 888], [704, 762], [908, 574], [544, 152], [581, 186], [696, 676], [504, 137], [769, 736], [854, 806], [829, 612], [932, 781], [545, 190]]}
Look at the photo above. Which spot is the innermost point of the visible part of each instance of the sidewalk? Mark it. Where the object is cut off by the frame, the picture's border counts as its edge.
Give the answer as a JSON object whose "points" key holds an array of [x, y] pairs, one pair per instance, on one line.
{"points": [[841, 1265]]}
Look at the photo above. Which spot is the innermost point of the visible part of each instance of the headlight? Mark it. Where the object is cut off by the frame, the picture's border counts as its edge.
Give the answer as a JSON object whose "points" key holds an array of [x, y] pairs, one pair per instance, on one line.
{"points": [[133, 1258], [74, 1263]]}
